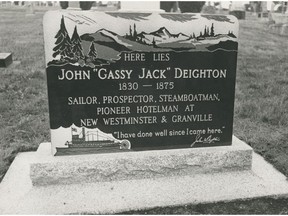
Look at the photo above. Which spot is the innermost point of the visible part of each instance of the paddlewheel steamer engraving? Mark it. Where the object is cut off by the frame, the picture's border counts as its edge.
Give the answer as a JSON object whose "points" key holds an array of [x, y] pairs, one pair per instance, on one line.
{"points": [[91, 142]]}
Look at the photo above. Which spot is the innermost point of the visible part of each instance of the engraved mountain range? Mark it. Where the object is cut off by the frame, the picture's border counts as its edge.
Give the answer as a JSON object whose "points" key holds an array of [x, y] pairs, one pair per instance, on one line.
{"points": [[161, 40], [105, 46], [162, 36]]}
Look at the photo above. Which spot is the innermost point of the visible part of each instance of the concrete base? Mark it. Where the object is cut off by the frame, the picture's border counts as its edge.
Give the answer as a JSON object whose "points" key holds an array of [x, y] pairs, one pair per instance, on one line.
{"points": [[19, 196]]}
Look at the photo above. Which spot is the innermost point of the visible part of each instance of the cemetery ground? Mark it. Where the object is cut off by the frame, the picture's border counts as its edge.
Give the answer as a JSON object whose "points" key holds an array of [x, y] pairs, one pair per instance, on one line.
{"points": [[261, 102]]}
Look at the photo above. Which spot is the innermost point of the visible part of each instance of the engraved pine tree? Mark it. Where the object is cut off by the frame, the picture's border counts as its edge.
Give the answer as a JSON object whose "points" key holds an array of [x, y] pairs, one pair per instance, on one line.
{"points": [[212, 30], [92, 54], [63, 43], [77, 49]]}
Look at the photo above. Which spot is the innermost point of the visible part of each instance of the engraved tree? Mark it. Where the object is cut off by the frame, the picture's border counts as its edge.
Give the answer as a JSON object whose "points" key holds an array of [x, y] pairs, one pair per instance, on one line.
{"points": [[200, 35], [212, 30], [92, 54], [154, 43], [130, 31], [135, 33], [76, 45], [63, 43], [205, 32], [231, 34], [208, 33]]}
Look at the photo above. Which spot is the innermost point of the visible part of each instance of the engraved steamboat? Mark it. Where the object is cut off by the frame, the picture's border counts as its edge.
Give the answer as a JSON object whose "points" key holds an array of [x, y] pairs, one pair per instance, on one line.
{"points": [[92, 142]]}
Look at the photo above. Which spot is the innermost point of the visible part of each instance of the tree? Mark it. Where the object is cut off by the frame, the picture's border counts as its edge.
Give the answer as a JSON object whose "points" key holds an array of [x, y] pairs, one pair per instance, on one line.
{"points": [[130, 29], [154, 43], [205, 32], [76, 45], [231, 34], [212, 31], [63, 43], [92, 54], [135, 32]]}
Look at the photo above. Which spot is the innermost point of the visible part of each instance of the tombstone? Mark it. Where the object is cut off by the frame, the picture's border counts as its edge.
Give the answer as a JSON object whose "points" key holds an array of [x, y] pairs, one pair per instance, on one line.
{"points": [[237, 9], [169, 6], [263, 13], [139, 81], [64, 4], [30, 9], [5, 59], [120, 83], [191, 6], [208, 9], [278, 22]]}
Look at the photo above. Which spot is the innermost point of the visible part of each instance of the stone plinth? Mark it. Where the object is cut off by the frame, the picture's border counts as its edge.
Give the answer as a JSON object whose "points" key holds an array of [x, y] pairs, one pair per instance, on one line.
{"points": [[5, 59], [19, 196], [47, 169]]}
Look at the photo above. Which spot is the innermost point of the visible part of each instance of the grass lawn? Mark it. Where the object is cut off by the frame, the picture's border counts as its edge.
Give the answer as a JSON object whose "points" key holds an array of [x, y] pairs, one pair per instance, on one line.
{"points": [[23, 93], [261, 105]]}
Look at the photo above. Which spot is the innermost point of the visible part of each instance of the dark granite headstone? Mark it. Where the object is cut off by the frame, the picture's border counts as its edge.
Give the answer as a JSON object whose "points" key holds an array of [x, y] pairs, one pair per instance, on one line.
{"points": [[5, 59], [239, 14], [139, 81]]}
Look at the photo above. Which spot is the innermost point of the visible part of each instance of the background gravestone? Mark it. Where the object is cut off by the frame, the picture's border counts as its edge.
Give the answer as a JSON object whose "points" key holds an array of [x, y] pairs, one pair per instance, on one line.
{"points": [[139, 81], [5, 59]]}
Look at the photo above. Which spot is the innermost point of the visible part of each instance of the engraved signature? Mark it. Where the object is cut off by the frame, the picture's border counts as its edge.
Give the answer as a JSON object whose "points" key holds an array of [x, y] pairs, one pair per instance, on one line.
{"points": [[206, 140]]}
